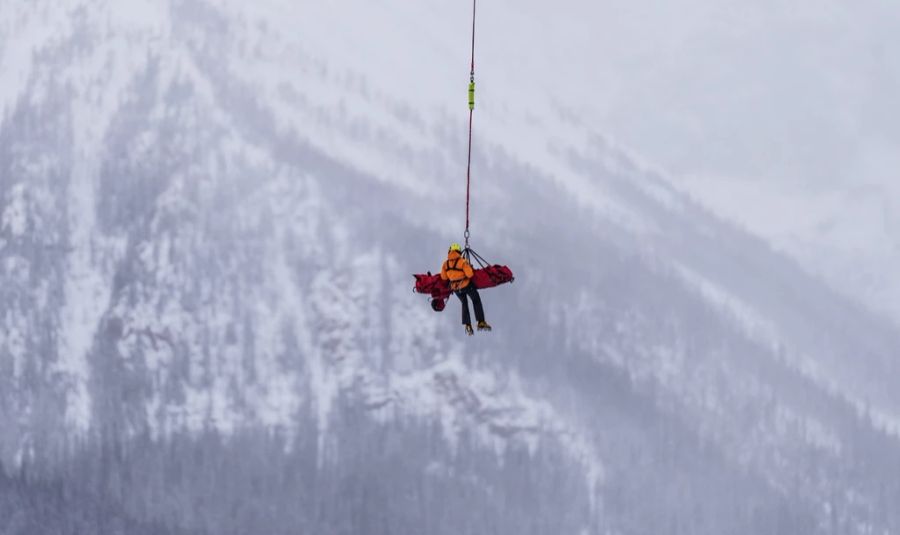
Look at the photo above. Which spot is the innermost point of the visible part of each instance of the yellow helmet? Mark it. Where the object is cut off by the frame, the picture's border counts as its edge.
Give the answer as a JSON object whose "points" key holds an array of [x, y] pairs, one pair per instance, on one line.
{"points": [[456, 247]]}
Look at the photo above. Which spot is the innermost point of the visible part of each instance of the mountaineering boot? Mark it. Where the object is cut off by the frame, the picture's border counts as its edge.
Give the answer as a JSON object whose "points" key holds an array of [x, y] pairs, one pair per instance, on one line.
{"points": [[483, 326], [469, 330]]}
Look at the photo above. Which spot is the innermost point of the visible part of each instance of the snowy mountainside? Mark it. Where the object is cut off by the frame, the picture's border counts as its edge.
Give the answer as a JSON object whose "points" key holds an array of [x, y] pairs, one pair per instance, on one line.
{"points": [[170, 160], [207, 225]]}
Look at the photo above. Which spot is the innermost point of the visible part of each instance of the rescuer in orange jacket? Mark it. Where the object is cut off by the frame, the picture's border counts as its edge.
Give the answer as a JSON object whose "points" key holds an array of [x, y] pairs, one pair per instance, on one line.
{"points": [[459, 273]]}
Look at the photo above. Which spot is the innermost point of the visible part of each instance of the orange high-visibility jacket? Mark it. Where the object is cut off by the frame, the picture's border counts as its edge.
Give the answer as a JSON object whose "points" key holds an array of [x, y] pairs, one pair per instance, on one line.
{"points": [[457, 270]]}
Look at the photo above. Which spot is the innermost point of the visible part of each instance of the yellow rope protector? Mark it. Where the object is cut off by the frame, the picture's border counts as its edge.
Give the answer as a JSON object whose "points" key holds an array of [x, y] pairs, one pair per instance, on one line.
{"points": [[472, 95]]}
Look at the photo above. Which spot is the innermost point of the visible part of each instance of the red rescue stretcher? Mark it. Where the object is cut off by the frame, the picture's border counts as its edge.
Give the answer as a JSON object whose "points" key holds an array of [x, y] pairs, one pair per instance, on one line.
{"points": [[439, 290]]}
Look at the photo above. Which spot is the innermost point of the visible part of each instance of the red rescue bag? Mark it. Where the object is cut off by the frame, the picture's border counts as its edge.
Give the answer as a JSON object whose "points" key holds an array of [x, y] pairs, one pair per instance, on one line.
{"points": [[439, 290], [491, 276]]}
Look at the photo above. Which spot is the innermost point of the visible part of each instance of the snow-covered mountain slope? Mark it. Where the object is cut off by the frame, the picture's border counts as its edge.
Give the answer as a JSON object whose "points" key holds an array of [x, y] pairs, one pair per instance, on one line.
{"points": [[169, 178], [847, 234], [210, 215]]}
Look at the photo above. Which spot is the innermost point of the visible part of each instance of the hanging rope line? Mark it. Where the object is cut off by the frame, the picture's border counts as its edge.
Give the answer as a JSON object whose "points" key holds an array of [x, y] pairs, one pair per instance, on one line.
{"points": [[487, 275], [471, 113]]}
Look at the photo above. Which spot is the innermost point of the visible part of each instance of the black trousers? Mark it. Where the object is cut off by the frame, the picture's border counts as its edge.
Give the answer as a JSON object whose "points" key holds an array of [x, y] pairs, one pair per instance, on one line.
{"points": [[464, 294]]}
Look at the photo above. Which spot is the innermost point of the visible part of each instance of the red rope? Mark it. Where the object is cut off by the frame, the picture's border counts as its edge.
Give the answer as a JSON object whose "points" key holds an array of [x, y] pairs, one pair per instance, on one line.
{"points": [[471, 112], [469, 178], [473, 37]]}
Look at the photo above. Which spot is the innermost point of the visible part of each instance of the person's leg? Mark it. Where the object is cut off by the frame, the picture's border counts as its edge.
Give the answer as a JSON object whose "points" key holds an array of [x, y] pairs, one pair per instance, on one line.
{"points": [[464, 299], [476, 301]]}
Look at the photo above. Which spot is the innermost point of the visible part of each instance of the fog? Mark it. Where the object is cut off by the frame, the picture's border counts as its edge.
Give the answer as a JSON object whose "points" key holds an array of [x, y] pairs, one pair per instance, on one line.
{"points": [[210, 214]]}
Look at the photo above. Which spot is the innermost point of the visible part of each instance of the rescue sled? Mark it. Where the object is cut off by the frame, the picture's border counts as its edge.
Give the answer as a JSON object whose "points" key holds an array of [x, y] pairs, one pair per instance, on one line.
{"points": [[486, 276]]}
